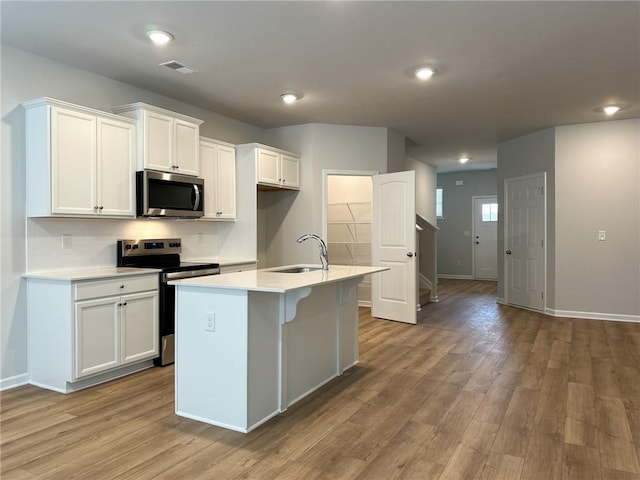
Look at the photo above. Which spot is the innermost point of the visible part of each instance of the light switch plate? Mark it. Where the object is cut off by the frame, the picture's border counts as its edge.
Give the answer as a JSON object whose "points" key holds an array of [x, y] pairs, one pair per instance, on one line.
{"points": [[602, 235]]}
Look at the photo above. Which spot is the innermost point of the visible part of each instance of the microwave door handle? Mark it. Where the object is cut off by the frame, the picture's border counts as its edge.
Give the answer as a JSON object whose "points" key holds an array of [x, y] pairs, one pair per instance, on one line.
{"points": [[197, 202]]}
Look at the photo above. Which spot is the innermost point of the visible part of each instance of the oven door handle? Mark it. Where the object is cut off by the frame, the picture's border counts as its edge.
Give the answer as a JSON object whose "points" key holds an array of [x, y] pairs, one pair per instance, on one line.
{"points": [[189, 274], [196, 189]]}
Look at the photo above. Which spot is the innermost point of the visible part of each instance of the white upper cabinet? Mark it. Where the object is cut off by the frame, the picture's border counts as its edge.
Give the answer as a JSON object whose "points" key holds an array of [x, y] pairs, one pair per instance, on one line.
{"points": [[80, 161], [275, 168], [167, 141], [268, 163], [116, 167], [290, 171], [218, 168], [156, 148]]}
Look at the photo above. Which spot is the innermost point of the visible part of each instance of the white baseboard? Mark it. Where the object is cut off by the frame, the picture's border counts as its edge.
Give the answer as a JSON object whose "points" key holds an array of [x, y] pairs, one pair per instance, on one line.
{"points": [[455, 277], [614, 317], [13, 382]]}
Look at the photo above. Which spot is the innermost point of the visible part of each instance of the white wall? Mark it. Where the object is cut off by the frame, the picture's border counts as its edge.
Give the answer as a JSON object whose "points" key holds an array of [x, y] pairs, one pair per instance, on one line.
{"points": [[323, 147], [26, 76], [396, 151], [426, 179], [526, 155], [593, 183], [597, 188]]}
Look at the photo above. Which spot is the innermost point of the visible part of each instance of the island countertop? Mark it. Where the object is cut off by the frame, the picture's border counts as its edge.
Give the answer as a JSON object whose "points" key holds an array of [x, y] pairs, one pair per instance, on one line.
{"points": [[271, 280]]}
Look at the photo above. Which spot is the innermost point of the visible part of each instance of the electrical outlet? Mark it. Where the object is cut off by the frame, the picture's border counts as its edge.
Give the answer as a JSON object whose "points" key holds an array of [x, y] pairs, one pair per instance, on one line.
{"points": [[66, 241], [210, 322]]}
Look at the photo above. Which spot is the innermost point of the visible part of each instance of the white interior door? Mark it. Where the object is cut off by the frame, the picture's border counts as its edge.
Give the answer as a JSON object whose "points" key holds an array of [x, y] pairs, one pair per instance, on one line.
{"points": [[485, 238], [393, 245], [524, 243]]}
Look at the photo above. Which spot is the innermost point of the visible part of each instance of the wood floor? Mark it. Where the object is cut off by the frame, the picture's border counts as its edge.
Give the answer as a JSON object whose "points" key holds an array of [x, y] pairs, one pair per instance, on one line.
{"points": [[475, 390]]}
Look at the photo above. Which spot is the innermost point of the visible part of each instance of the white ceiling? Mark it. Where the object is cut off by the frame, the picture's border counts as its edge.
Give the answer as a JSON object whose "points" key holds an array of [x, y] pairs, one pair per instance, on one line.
{"points": [[505, 68]]}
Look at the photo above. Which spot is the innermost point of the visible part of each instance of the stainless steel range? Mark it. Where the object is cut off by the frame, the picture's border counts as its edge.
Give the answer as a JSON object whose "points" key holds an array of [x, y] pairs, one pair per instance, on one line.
{"points": [[163, 254]]}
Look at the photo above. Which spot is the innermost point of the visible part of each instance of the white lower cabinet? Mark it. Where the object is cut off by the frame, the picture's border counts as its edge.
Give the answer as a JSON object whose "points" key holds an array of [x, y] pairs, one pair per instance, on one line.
{"points": [[97, 330], [87, 332], [115, 331]]}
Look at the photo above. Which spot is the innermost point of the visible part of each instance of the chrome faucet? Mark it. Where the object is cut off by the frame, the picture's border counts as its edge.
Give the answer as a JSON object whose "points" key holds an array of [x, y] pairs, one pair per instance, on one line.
{"points": [[323, 248]]}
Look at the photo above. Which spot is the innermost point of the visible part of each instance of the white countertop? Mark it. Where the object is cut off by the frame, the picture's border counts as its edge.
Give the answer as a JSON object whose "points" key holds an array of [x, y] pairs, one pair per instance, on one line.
{"points": [[90, 273], [268, 280]]}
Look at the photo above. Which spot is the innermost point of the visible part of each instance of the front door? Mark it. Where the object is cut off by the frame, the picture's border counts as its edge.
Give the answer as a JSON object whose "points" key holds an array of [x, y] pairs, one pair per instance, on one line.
{"points": [[485, 238], [525, 241], [393, 245]]}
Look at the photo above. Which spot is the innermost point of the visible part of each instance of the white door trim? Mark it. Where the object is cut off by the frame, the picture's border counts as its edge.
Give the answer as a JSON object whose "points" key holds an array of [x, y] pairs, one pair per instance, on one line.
{"points": [[543, 176]]}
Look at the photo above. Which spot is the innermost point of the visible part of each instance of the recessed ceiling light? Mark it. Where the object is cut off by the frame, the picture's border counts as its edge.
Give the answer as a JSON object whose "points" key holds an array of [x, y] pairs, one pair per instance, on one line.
{"points": [[289, 97], [425, 73], [612, 108], [463, 159], [159, 37]]}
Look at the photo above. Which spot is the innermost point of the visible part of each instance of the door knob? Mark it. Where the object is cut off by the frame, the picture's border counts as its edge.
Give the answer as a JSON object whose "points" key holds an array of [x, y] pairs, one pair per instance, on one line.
{"points": [[409, 254], [508, 252]]}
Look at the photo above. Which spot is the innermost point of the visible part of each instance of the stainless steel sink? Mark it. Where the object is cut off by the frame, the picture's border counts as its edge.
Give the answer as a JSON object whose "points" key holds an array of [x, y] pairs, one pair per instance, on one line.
{"points": [[296, 269]]}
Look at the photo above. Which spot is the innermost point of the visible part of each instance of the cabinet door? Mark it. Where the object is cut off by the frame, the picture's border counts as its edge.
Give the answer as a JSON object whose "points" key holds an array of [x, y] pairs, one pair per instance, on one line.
{"points": [[268, 167], [115, 167], [187, 143], [158, 143], [290, 171], [225, 184], [208, 166], [97, 342], [73, 165], [139, 321]]}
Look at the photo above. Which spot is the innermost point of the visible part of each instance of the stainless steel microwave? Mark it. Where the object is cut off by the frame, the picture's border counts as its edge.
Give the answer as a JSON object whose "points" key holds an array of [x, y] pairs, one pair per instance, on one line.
{"points": [[169, 195]]}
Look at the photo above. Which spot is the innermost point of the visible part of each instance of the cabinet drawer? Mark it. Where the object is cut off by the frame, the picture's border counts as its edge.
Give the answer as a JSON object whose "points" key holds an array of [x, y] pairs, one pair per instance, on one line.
{"points": [[115, 286]]}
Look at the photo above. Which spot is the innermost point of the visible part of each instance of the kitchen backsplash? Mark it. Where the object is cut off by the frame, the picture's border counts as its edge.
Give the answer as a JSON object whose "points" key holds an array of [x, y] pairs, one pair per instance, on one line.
{"points": [[61, 244]]}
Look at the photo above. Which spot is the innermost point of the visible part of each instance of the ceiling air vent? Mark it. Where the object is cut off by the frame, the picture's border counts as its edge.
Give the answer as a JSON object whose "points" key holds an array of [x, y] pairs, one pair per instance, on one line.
{"points": [[178, 67]]}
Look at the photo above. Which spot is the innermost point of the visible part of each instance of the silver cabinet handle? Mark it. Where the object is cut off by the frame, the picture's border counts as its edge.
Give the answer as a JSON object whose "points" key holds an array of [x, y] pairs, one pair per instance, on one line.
{"points": [[409, 254], [508, 252]]}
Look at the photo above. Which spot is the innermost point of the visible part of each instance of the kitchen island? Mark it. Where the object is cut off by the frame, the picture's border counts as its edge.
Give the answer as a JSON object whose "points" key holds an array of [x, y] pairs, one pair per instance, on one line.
{"points": [[250, 344]]}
